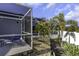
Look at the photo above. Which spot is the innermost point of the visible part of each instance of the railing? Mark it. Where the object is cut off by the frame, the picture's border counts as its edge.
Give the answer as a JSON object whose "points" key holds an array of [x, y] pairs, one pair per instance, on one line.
{"points": [[11, 38], [9, 35]]}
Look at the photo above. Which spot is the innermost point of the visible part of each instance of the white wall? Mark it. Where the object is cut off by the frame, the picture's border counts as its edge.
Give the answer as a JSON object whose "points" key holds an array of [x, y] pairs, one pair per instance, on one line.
{"points": [[71, 39]]}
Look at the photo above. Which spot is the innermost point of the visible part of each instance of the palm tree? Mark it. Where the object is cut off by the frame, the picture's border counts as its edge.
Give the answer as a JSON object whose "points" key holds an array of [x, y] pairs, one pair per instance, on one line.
{"points": [[58, 24], [61, 22]]}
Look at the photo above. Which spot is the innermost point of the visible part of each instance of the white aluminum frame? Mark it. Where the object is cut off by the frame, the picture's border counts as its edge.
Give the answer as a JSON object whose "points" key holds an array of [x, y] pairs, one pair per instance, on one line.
{"points": [[9, 18], [31, 31], [21, 25], [10, 14], [8, 35], [25, 34]]}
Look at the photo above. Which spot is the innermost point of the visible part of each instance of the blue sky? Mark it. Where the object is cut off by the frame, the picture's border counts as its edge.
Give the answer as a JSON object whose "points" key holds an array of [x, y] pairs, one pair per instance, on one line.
{"points": [[48, 10]]}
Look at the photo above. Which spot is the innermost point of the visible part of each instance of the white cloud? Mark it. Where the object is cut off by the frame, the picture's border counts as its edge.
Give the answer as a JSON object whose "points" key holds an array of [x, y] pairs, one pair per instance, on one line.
{"points": [[67, 7], [50, 5], [73, 13], [69, 15], [77, 8], [31, 4], [77, 19], [34, 4]]}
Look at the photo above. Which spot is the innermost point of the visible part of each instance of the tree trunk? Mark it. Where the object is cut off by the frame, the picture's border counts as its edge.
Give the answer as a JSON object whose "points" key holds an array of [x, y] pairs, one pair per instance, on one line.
{"points": [[62, 33], [59, 39], [69, 38]]}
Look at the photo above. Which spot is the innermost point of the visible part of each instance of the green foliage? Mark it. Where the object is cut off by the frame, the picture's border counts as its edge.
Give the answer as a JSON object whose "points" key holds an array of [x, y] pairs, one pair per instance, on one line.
{"points": [[73, 25], [42, 28], [71, 49], [77, 29], [54, 25], [58, 24], [72, 22]]}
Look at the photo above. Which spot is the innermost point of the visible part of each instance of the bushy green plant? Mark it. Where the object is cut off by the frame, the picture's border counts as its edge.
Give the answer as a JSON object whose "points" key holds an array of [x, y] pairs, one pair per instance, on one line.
{"points": [[42, 28], [71, 49]]}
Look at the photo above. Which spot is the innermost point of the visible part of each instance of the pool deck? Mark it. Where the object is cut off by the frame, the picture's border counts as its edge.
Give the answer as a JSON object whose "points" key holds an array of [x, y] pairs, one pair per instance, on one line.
{"points": [[11, 50]]}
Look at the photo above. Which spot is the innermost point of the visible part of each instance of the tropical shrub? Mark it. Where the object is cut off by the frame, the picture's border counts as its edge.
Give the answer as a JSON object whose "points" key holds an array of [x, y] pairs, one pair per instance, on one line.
{"points": [[42, 28], [71, 49]]}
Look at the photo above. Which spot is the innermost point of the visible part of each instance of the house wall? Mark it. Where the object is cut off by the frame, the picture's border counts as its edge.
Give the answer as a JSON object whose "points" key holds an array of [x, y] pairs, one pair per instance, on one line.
{"points": [[71, 39]]}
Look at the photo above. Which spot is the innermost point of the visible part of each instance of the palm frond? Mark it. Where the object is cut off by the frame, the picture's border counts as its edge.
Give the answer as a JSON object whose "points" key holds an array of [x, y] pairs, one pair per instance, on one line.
{"points": [[66, 34], [73, 35]]}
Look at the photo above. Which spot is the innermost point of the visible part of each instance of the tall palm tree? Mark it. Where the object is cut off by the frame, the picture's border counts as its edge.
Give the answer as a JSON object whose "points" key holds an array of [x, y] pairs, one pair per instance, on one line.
{"points": [[58, 23], [61, 22]]}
